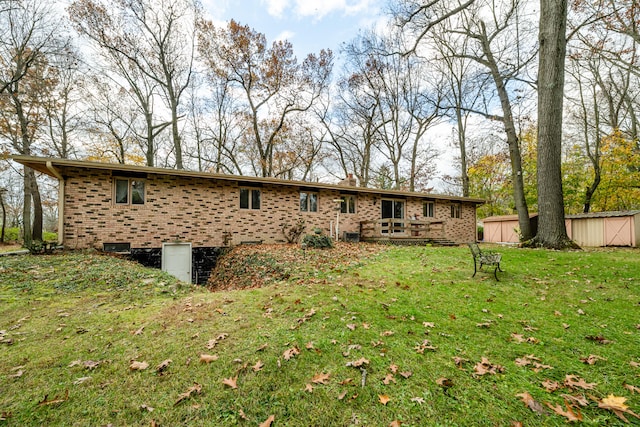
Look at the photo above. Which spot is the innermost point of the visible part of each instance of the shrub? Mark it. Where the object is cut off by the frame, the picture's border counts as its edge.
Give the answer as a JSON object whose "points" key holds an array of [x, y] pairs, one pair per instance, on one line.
{"points": [[317, 241], [293, 232]]}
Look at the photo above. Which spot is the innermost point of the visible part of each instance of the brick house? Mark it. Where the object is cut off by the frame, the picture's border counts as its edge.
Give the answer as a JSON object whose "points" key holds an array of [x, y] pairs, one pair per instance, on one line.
{"points": [[141, 210]]}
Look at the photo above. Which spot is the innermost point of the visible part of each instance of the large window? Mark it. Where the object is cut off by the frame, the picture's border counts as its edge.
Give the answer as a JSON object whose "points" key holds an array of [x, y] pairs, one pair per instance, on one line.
{"points": [[308, 202], [348, 204], [129, 191], [456, 210], [429, 210], [392, 209], [249, 198]]}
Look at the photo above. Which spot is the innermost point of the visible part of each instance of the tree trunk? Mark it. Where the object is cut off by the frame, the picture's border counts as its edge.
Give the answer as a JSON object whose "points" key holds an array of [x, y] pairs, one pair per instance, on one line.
{"points": [[36, 229], [27, 237], [4, 215], [552, 231], [462, 143]]}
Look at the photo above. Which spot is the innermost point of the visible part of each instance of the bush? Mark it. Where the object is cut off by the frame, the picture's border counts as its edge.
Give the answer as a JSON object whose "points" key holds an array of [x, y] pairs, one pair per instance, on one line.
{"points": [[317, 241], [293, 232]]}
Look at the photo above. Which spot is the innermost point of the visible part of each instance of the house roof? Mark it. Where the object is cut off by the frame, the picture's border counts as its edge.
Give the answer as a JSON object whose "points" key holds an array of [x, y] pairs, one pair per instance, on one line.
{"points": [[51, 167]]}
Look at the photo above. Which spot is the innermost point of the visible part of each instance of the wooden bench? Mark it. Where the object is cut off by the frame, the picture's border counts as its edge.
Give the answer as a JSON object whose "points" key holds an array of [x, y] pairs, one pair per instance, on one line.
{"points": [[485, 258]]}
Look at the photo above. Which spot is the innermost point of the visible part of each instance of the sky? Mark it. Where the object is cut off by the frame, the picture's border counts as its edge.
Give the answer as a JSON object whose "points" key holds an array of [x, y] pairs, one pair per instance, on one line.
{"points": [[310, 25]]}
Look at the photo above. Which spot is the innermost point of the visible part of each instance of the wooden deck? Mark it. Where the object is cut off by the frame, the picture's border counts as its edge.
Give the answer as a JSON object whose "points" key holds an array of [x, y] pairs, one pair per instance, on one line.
{"points": [[404, 232]]}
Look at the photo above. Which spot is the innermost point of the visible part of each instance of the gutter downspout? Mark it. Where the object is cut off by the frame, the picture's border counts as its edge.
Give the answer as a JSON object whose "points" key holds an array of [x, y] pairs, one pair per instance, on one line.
{"points": [[57, 174]]}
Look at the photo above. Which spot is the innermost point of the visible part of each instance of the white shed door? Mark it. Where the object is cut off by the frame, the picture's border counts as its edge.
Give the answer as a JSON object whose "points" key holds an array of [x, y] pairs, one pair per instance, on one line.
{"points": [[176, 260]]}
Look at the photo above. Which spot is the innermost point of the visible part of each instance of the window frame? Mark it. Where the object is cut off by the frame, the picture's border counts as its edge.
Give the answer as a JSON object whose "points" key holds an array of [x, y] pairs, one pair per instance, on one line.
{"points": [[345, 206], [251, 198], [309, 196], [425, 212], [131, 184], [456, 210]]}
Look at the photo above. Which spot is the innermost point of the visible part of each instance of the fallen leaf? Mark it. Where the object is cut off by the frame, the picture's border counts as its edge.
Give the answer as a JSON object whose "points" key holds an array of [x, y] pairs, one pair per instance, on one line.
{"points": [[634, 364], [425, 345], [395, 423], [406, 374], [550, 385], [358, 363], [342, 395], [428, 324], [617, 405], [163, 366], [268, 421], [573, 382], [393, 368], [351, 326], [54, 401], [444, 382], [80, 380], [599, 339], [288, 354], [459, 361], [517, 337], [346, 381], [309, 345], [208, 358], [308, 388], [231, 382], [486, 367], [418, 400], [578, 400], [139, 331], [531, 403], [388, 379], [258, 366], [262, 347], [384, 399], [569, 414], [138, 366], [591, 359], [483, 325], [386, 333], [18, 374], [146, 408], [194, 389], [631, 388], [320, 378]]}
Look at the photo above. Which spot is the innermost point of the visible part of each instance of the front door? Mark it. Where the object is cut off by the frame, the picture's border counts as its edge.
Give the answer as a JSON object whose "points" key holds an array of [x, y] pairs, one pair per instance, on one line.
{"points": [[392, 209], [176, 260]]}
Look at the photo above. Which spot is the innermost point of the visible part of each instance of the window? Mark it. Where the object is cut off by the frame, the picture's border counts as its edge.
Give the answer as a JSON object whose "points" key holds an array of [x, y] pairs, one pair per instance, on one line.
{"points": [[129, 191], [348, 204], [308, 202], [429, 210], [456, 210], [249, 198]]}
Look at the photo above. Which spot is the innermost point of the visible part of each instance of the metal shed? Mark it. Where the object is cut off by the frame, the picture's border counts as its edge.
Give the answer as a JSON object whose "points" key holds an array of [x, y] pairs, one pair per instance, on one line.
{"points": [[615, 228]]}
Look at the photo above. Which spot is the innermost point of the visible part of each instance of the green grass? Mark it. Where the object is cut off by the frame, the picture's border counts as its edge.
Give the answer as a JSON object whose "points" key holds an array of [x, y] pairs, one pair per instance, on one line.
{"points": [[82, 307]]}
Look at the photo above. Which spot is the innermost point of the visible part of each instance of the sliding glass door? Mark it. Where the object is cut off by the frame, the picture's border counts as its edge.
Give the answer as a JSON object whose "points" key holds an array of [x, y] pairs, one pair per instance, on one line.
{"points": [[392, 209]]}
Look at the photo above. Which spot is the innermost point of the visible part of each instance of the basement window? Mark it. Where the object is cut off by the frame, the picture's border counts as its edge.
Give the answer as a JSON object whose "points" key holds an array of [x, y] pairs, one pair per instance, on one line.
{"points": [[117, 247]]}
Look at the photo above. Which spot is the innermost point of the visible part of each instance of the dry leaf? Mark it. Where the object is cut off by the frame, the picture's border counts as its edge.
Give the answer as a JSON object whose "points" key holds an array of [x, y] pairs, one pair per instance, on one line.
{"points": [[386, 333], [268, 421], [54, 401], [194, 389], [80, 380], [406, 374], [569, 414], [308, 388], [631, 388], [444, 382], [342, 395], [599, 339], [617, 405], [592, 359], [486, 367], [320, 378], [262, 347], [138, 366], [634, 364], [258, 366], [139, 331], [208, 358], [18, 374], [388, 379], [346, 381], [163, 366], [393, 368], [358, 363], [578, 400], [309, 345], [418, 400], [288, 354], [395, 423], [231, 382], [551, 386], [146, 408], [573, 382], [384, 399], [351, 326], [428, 324], [531, 403]]}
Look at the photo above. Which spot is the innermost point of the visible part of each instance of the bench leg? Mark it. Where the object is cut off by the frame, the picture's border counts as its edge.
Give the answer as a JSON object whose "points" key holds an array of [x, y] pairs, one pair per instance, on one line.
{"points": [[475, 269], [495, 272]]}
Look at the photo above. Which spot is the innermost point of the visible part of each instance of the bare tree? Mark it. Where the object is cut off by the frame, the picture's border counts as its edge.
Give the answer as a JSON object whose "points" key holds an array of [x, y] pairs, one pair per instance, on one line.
{"points": [[274, 86], [151, 40]]}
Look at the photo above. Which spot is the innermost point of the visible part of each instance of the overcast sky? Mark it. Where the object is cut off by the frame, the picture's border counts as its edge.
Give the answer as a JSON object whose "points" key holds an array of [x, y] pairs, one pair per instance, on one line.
{"points": [[310, 25]]}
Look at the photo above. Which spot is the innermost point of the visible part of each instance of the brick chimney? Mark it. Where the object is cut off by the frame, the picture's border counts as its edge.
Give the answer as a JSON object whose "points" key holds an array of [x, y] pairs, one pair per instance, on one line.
{"points": [[349, 181]]}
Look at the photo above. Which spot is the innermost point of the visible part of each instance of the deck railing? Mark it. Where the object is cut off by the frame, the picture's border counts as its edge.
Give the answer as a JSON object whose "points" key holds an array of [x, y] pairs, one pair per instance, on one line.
{"points": [[401, 228]]}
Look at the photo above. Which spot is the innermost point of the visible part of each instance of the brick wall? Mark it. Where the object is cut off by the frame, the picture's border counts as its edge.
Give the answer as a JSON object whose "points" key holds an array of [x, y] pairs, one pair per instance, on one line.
{"points": [[203, 211]]}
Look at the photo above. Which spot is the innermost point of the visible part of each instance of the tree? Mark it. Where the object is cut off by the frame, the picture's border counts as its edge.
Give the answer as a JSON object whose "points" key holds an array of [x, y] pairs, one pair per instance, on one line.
{"points": [[151, 43], [29, 39], [273, 85], [552, 232], [496, 43]]}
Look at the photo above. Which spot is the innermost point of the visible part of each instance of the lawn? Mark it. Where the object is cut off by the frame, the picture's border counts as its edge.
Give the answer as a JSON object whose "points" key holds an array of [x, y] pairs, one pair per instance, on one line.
{"points": [[357, 335]]}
